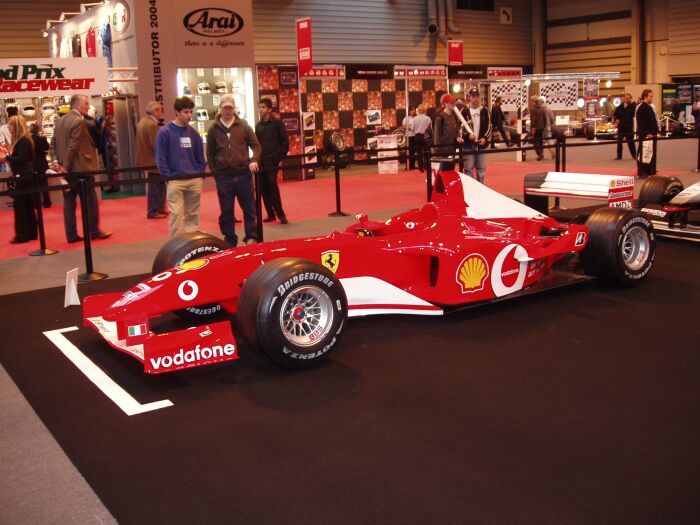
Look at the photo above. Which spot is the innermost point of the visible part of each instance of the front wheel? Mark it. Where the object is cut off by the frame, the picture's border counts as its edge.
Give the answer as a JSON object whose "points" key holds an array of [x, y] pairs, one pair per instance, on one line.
{"points": [[184, 249], [621, 245], [293, 310]]}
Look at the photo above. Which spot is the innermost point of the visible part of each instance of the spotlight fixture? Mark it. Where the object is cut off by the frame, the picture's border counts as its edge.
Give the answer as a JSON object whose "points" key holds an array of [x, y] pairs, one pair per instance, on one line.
{"points": [[580, 102], [602, 101], [65, 14], [457, 88], [608, 84], [617, 101], [527, 82]]}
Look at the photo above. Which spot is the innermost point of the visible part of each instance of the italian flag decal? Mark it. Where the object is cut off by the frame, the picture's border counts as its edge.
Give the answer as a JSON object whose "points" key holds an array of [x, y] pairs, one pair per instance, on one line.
{"points": [[139, 329]]}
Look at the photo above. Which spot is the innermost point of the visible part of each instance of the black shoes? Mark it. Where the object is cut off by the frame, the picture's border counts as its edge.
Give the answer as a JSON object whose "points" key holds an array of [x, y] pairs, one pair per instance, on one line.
{"points": [[269, 219], [100, 235], [284, 221], [76, 239], [158, 215], [17, 240]]}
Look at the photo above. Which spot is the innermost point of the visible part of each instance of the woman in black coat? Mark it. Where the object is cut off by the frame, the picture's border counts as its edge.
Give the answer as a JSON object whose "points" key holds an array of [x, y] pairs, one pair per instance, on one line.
{"points": [[21, 159], [41, 147]]}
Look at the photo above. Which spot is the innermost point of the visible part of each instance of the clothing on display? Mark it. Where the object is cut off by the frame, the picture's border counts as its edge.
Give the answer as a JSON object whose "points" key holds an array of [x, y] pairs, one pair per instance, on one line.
{"points": [[90, 43], [75, 44], [106, 39]]}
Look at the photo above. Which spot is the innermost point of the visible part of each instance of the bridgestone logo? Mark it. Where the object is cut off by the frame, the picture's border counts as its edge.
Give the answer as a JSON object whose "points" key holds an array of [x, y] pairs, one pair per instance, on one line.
{"points": [[192, 356], [312, 355], [303, 277], [652, 211]]}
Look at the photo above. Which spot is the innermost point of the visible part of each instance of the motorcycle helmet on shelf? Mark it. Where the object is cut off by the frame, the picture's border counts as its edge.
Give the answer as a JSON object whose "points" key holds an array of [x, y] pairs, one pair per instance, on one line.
{"points": [[221, 87], [48, 108], [29, 111], [201, 114], [186, 90], [203, 88]]}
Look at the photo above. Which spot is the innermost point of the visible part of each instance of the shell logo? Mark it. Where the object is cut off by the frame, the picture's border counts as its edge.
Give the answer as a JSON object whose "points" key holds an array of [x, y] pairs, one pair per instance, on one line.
{"points": [[472, 273], [194, 264]]}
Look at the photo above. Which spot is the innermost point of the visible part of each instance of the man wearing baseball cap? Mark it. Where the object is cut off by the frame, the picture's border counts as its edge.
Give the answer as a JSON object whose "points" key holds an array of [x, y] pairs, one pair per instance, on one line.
{"points": [[228, 140], [446, 134], [479, 121]]}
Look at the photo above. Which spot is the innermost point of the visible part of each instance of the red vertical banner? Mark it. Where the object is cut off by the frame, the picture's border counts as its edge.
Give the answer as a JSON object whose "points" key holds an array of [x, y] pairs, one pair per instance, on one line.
{"points": [[304, 56], [455, 52]]}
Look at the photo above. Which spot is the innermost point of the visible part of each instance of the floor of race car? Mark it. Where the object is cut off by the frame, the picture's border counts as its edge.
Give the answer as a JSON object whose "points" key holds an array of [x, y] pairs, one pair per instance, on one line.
{"points": [[577, 405]]}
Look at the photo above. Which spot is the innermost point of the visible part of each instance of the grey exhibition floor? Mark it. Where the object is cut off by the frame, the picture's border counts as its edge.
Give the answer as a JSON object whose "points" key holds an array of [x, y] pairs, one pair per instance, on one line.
{"points": [[39, 484]]}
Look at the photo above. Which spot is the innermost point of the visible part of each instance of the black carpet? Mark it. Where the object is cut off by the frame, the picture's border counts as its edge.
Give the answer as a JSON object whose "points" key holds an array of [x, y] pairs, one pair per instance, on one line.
{"points": [[579, 405]]}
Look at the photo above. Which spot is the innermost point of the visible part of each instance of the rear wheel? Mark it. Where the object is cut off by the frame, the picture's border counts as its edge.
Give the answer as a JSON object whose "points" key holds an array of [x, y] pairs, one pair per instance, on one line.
{"points": [[621, 245], [658, 190], [183, 249], [293, 311]]}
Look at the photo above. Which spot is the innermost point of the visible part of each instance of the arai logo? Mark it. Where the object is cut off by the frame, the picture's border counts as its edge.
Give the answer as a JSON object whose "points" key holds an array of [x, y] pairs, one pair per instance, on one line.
{"points": [[213, 22]]}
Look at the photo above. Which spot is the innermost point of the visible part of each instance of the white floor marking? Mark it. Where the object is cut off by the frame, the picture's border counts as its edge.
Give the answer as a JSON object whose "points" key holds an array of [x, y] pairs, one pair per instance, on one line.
{"points": [[105, 383]]}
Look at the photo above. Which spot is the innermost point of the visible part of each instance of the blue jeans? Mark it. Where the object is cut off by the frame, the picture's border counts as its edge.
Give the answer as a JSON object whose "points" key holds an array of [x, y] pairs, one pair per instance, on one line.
{"points": [[238, 184], [474, 160]]}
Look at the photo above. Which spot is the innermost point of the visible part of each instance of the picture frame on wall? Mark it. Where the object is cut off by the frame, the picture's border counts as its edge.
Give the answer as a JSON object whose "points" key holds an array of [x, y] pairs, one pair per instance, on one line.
{"points": [[309, 120], [288, 78], [374, 117]]}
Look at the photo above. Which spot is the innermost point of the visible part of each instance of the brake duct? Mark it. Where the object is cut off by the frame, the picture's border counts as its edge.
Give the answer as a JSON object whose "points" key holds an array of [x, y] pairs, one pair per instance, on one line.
{"points": [[441, 19]]}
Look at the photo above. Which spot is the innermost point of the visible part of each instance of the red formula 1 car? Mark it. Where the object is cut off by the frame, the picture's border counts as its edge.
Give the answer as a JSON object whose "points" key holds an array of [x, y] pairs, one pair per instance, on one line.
{"points": [[673, 210], [291, 298]]}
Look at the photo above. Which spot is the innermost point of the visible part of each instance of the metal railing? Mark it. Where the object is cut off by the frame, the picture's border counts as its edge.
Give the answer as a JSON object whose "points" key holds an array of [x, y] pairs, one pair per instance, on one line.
{"points": [[83, 181]]}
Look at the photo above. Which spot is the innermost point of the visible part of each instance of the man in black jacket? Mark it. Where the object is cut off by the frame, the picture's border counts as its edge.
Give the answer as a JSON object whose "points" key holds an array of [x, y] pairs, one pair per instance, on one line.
{"points": [[228, 140], [498, 120], [275, 145], [624, 119], [479, 121], [647, 128]]}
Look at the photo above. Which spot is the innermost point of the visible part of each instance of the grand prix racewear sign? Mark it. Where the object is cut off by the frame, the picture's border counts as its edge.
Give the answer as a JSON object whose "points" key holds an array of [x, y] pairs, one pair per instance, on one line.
{"points": [[49, 77]]}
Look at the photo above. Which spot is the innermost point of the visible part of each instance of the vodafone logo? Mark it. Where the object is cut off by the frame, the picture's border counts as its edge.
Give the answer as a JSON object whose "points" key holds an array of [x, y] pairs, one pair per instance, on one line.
{"points": [[187, 290], [499, 287]]}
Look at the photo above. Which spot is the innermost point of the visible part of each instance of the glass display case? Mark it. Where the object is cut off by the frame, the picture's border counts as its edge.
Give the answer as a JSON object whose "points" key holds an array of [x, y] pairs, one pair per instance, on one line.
{"points": [[206, 86]]}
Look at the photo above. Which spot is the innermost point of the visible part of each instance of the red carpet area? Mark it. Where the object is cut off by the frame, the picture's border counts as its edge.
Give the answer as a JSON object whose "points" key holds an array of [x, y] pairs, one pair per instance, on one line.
{"points": [[303, 200]]}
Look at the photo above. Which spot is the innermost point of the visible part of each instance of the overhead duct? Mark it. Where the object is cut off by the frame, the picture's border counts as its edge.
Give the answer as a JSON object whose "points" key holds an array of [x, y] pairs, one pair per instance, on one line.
{"points": [[441, 19]]}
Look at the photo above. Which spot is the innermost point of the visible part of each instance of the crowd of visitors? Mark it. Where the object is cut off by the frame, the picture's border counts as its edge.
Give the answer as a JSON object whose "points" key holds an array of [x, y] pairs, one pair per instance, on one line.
{"points": [[175, 154]]}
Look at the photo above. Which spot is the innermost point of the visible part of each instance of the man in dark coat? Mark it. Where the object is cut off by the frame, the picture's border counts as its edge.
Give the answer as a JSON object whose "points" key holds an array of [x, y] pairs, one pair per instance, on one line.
{"points": [[647, 129], [498, 120], [275, 145], [624, 119]]}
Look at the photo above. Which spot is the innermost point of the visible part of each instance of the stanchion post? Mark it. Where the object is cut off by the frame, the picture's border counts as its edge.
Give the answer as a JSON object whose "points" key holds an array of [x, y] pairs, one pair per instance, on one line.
{"points": [[653, 156], [697, 132], [557, 155], [43, 250], [90, 274], [258, 201], [428, 173], [563, 154], [338, 212]]}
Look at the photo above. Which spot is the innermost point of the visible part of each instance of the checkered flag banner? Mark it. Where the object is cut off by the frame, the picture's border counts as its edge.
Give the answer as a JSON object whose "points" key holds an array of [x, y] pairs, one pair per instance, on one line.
{"points": [[508, 91], [560, 95]]}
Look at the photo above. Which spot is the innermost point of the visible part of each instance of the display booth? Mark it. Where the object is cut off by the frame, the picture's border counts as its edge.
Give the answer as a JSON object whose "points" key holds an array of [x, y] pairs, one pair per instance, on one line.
{"points": [[159, 50]]}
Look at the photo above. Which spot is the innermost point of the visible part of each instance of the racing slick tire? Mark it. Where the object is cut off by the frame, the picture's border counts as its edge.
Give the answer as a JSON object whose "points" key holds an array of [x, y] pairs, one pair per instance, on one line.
{"points": [[658, 190], [187, 247], [621, 245], [294, 310]]}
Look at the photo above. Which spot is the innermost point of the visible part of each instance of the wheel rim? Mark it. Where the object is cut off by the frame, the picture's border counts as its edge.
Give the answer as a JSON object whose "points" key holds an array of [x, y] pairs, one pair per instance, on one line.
{"points": [[635, 248], [306, 316]]}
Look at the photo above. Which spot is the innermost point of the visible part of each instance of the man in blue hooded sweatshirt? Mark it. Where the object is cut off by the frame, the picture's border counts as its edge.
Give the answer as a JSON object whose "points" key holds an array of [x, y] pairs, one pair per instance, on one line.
{"points": [[180, 151]]}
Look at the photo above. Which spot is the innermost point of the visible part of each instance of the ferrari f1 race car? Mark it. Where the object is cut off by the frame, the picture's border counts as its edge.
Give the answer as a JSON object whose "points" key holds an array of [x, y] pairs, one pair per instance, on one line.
{"points": [[289, 300], [674, 211]]}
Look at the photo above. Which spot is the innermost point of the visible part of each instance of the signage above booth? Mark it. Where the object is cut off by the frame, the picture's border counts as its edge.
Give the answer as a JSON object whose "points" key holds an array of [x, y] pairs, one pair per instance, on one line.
{"points": [[455, 53], [504, 73], [48, 77], [420, 72], [369, 71], [330, 72], [304, 44], [467, 71]]}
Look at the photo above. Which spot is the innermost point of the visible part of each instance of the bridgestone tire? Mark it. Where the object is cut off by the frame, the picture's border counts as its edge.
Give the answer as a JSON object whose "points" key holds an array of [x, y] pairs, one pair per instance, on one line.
{"points": [[621, 245], [293, 311], [658, 190], [188, 247]]}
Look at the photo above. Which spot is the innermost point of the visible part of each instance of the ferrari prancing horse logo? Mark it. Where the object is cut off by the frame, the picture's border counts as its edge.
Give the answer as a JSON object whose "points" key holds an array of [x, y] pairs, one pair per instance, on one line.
{"points": [[331, 260]]}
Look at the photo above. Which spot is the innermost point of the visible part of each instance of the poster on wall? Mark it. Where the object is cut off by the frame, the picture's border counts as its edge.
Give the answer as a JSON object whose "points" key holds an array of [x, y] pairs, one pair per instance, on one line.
{"points": [[304, 53], [374, 117], [384, 142], [591, 87], [309, 119], [685, 93], [669, 92], [560, 95], [508, 91], [592, 107]]}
